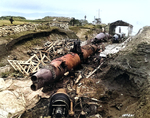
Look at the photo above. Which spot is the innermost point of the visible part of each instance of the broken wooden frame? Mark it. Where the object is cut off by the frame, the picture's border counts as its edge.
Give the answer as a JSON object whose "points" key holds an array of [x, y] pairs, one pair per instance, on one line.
{"points": [[29, 66]]}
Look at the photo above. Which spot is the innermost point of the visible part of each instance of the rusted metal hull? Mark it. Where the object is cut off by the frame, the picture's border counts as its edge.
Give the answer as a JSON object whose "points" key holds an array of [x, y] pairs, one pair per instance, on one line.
{"points": [[65, 63], [88, 50]]}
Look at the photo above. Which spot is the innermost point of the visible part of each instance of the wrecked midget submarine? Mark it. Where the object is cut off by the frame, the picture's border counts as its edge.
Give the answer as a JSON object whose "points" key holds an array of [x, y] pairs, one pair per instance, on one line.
{"points": [[59, 66]]}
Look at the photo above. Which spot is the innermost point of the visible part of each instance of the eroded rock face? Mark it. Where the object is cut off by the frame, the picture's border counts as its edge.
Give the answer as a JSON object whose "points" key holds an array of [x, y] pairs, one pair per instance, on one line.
{"points": [[130, 71], [134, 60], [10, 30]]}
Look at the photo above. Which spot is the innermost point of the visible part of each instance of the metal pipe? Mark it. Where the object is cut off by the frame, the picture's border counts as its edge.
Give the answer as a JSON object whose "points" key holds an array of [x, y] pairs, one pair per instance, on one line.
{"points": [[41, 78]]}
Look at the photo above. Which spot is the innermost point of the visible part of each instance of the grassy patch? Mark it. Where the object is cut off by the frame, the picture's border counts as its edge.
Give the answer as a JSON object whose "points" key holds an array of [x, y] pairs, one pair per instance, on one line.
{"points": [[5, 74], [88, 26], [89, 32], [43, 27], [17, 35], [36, 41], [11, 73], [74, 28], [77, 28], [7, 22], [19, 22], [2, 64]]}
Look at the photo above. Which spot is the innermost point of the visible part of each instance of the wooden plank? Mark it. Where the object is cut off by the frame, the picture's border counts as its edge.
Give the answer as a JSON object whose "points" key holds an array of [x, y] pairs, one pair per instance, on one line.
{"points": [[23, 69], [16, 64], [31, 58], [47, 58], [41, 61], [91, 73], [52, 46], [29, 67], [9, 61]]}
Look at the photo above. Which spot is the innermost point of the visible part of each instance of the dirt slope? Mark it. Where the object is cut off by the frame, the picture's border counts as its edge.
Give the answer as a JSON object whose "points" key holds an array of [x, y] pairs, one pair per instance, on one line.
{"points": [[81, 33], [130, 73]]}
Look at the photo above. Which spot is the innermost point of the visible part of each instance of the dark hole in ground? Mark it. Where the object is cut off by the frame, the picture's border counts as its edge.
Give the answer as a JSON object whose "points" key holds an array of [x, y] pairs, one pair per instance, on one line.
{"points": [[122, 79]]}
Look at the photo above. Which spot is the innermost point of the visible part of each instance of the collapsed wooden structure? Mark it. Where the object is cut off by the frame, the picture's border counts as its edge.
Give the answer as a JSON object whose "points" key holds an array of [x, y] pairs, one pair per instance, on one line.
{"points": [[29, 66]]}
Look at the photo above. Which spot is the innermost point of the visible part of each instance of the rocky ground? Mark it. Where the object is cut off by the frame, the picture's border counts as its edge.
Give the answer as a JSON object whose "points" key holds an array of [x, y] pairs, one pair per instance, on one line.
{"points": [[119, 89]]}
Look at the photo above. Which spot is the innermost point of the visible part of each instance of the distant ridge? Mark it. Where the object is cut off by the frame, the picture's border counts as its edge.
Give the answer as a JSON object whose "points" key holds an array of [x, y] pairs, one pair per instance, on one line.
{"points": [[14, 17]]}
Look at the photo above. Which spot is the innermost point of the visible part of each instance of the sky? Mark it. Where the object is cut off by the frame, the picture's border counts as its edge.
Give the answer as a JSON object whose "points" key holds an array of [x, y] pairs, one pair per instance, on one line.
{"points": [[135, 12]]}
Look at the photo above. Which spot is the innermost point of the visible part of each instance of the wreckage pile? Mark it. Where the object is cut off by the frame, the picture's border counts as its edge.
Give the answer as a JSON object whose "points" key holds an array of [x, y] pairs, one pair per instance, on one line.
{"points": [[43, 56], [116, 87]]}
